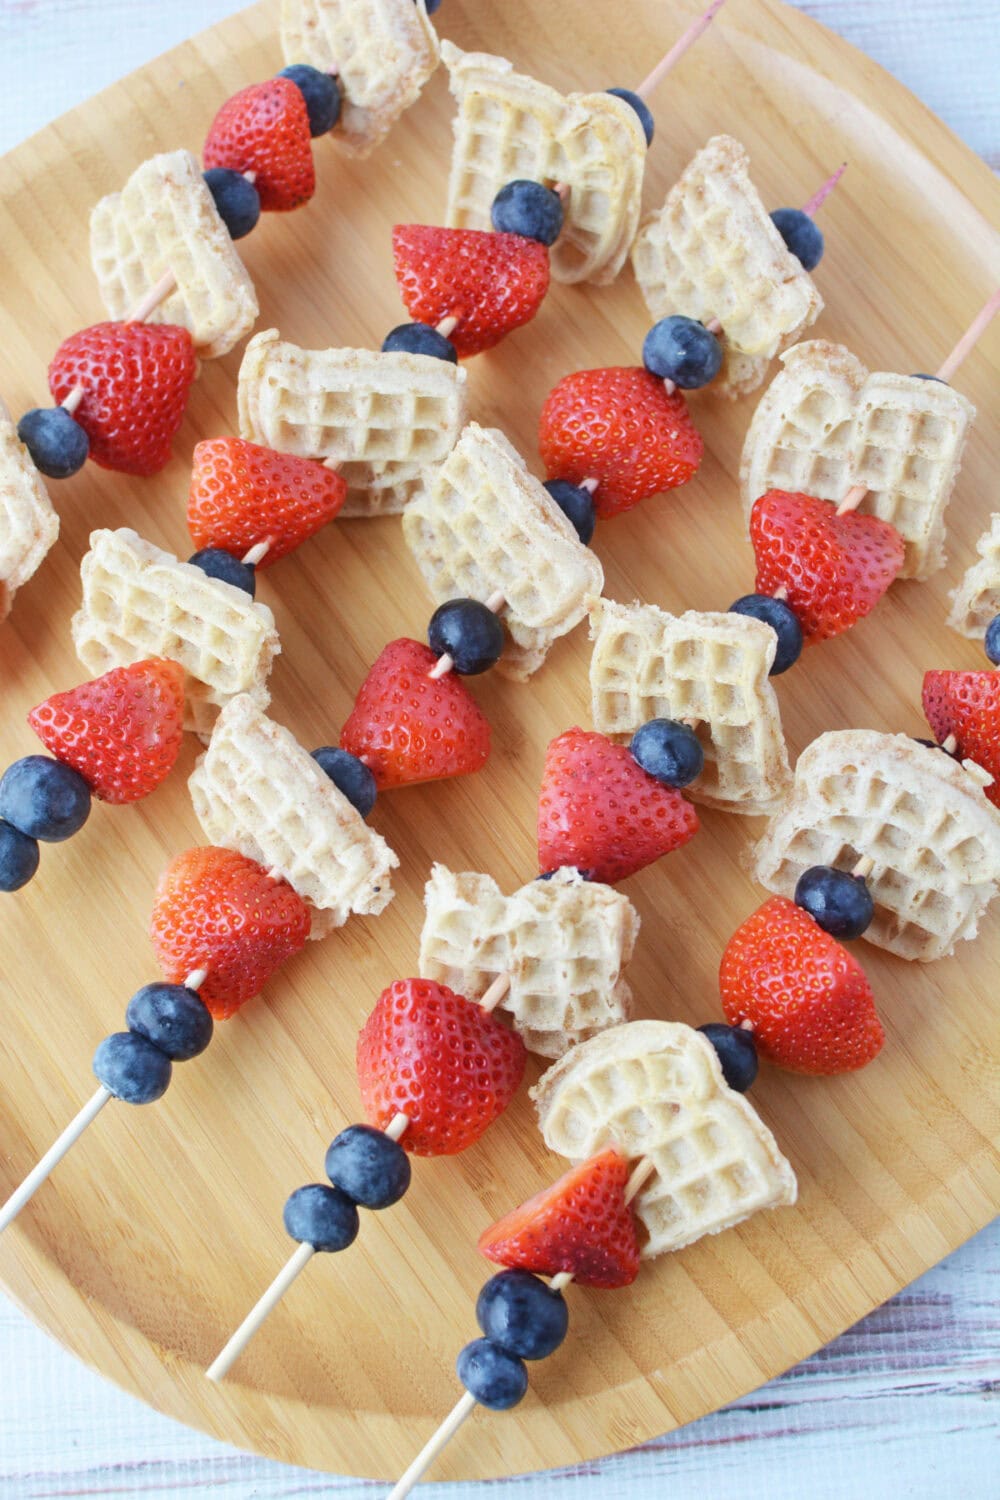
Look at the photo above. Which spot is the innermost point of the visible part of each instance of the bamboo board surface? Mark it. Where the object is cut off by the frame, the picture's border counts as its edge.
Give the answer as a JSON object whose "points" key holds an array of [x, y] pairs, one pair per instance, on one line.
{"points": [[152, 1240]]}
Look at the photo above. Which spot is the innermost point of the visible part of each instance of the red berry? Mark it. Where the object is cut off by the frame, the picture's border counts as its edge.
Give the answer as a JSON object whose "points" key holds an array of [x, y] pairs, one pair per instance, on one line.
{"points": [[121, 731], [242, 493], [135, 379], [807, 999], [835, 568], [600, 812], [265, 129], [409, 727], [445, 1063], [967, 705], [580, 1224], [491, 282], [218, 911], [619, 427]]}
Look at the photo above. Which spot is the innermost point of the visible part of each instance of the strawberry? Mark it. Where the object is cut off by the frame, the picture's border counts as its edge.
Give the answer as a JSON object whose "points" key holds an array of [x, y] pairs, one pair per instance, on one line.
{"points": [[580, 1224], [409, 727], [265, 129], [135, 379], [218, 911], [121, 731], [445, 1063], [619, 427], [599, 811], [241, 493], [835, 568], [807, 999], [490, 281], [967, 705]]}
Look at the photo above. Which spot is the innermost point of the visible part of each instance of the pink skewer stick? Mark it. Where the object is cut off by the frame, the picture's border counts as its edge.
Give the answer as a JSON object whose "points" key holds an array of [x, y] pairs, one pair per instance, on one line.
{"points": [[821, 194], [650, 84]]}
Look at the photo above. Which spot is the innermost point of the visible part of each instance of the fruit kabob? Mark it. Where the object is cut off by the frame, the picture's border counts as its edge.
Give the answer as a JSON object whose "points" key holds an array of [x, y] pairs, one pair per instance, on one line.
{"points": [[432, 1068], [907, 853], [291, 857], [820, 569], [509, 125], [163, 250], [612, 437]]}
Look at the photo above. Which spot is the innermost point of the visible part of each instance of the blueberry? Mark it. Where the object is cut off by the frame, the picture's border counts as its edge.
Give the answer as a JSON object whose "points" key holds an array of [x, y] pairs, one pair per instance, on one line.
{"points": [[576, 504], [430, 6], [682, 350], [57, 443], [131, 1068], [44, 798], [991, 640], [641, 108], [321, 1216], [173, 1018], [801, 234], [529, 209], [736, 1052], [496, 1379], [321, 92], [841, 903], [349, 775], [469, 633], [226, 568], [236, 199], [419, 338], [936, 378], [782, 620], [669, 751], [369, 1166], [18, 857], [522, 1315]]}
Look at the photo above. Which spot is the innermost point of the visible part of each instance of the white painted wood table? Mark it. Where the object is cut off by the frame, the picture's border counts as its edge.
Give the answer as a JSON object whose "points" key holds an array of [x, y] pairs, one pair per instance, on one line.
{"points": [[904, 1406]]}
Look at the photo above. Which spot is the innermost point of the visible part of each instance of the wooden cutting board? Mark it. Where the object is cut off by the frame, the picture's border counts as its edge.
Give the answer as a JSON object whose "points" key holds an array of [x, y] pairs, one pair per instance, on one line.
{"points": [[155, 1236]]}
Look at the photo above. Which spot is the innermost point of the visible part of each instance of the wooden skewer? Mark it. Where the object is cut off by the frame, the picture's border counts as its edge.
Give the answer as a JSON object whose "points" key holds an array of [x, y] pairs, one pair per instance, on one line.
{"points": [[157, 293], [467, 1403], [257, 553], [44, 1168], [265, 1305], [863, 868], [651, 83], [955, 360], [445, 663]]}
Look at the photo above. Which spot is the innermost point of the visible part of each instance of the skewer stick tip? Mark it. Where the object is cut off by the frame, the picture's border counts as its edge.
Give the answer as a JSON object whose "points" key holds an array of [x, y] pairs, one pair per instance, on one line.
{"points": [[823, 192], [669, 60]]}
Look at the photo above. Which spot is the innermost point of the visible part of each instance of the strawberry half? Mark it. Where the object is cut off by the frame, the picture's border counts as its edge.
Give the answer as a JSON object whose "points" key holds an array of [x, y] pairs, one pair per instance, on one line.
{"points": [[445, 1063], [807, 999], [122, 731], [600, 812], [580, 1224], [967, 705], [135, 379], [834, 568], [242, 493], [218, 911], [490, 281], [409, 727], [265, 129], [620, 427]]}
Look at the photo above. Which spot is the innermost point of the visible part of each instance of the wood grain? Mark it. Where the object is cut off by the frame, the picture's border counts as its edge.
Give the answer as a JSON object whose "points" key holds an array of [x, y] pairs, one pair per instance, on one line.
{"points": [[152, 1241]]}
